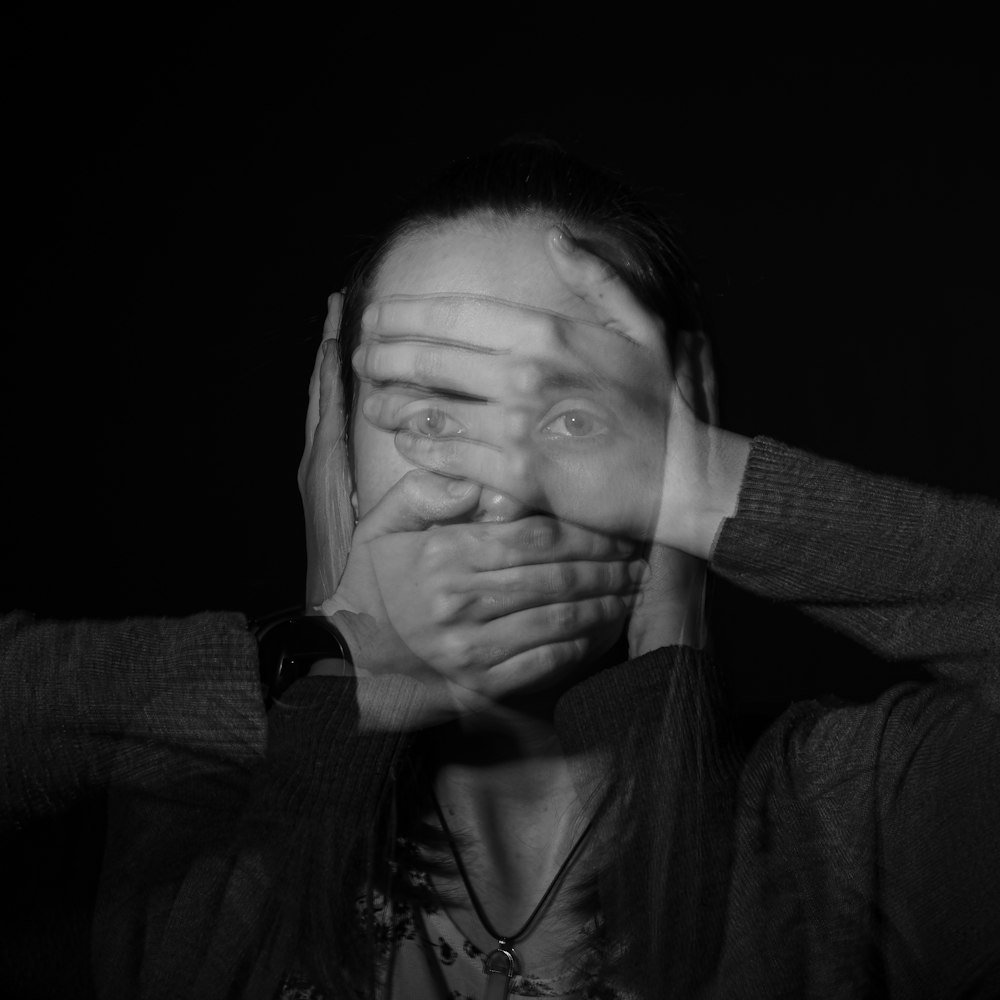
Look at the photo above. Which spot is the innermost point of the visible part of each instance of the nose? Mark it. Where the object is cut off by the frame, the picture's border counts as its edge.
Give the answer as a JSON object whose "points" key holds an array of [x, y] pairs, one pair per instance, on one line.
{"points": [[495, 506]]}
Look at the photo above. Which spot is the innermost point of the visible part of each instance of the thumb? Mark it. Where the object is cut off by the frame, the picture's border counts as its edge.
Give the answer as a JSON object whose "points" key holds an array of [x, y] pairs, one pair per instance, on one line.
{"points": [[596, 282], [324, 474], [417, 501], [324, 383]]}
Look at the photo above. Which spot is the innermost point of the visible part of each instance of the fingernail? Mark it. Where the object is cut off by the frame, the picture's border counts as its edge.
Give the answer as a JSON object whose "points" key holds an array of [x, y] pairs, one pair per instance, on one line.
{"points": [[460, 488], [370, 316], [358, 360], [564, 241]]}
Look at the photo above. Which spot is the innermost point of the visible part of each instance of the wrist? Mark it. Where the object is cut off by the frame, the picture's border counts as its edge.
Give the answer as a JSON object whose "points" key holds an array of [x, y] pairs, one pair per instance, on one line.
{"points": [[295, 646], [728, 454], [702, 490], [670, 609]]}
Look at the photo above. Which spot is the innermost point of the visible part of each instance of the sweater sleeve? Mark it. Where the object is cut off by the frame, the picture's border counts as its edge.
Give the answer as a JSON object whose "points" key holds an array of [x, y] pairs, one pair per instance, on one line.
{"points": [[910, 572], [90, 705], [233, 911]]}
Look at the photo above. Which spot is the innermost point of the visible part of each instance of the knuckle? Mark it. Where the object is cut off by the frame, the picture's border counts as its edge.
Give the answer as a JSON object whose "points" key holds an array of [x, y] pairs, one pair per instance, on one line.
{"points": [[611, 608], [602, 546], [537, 535], [438, 549], [495, 604], [444, 607], [497, 654], [454, 650], [547, 659], [564, 618], [561, 578]]}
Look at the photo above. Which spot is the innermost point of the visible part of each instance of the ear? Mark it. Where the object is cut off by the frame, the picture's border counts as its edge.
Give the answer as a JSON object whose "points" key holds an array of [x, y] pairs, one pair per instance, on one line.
{"points": [[695, 373]]}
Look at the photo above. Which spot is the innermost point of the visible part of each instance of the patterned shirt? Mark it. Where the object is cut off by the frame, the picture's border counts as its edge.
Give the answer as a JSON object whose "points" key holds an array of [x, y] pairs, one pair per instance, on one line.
{"points": [[422, 950]]}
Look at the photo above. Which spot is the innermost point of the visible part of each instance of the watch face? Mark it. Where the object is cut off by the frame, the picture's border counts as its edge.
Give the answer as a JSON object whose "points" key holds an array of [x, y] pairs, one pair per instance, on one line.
{"points": [[315, 638], [289, 648]]}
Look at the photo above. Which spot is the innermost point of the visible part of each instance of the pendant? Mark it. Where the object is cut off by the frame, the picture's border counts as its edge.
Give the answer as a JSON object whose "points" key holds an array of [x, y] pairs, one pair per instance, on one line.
{"points": [[500, 967]]}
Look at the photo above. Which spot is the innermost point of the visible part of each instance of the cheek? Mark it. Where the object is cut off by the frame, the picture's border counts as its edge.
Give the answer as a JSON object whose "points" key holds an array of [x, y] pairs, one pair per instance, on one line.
{"points": [[377, 464]]}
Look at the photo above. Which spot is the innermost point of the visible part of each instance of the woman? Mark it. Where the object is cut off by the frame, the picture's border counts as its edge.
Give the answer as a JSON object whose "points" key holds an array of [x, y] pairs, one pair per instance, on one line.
{"points": [[530, 722], [492, 684], [495, 350]]}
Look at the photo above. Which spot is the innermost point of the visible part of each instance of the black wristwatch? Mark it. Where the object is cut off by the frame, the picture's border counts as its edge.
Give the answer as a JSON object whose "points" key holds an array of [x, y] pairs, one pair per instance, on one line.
{"points": [[288, 644]]}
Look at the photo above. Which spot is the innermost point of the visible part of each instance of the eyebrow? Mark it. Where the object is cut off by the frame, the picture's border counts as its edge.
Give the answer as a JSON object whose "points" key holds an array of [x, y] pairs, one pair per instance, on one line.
{"points": [[558, 378]]}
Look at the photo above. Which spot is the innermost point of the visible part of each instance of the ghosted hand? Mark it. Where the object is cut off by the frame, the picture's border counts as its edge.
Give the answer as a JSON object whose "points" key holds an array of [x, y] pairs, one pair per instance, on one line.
{"points": [[472, 612], [590, 421]]}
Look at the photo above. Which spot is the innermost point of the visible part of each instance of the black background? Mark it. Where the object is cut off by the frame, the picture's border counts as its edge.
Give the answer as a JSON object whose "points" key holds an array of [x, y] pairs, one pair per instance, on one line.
{"points": [[186, 187]]}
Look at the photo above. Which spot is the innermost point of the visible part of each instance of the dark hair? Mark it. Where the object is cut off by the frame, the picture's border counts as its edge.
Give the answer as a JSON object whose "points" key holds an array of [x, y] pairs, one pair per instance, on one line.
{"points": [[523, 177]]}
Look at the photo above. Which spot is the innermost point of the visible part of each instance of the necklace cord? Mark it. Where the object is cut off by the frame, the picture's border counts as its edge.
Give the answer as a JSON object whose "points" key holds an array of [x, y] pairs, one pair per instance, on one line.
{"points": [[474, 899]]}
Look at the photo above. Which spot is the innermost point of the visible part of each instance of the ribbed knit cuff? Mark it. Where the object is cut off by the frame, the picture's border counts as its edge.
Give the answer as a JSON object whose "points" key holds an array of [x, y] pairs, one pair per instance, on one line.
{"points": [[806, 492]]}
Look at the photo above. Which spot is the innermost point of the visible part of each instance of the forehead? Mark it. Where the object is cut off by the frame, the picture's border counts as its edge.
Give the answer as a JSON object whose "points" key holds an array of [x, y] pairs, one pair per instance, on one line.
{"points": [[479, 257]]}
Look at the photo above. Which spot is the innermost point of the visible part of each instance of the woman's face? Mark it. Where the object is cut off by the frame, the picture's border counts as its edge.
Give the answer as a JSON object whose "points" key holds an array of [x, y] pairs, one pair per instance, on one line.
{"points": [[506, 261]]}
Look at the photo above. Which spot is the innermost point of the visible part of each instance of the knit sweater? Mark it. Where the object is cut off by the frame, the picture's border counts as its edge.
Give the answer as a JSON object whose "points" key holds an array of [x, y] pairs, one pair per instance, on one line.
{"points": [[850, 853]]}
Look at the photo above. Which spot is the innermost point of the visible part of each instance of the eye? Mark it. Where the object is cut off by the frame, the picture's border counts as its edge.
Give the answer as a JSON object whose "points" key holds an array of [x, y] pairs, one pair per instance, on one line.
{"points": [[577, 424], [433, 423]]}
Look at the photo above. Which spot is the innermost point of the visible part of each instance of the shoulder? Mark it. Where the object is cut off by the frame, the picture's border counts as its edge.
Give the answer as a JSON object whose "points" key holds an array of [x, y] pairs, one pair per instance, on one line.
{"points": [[906, 735]]}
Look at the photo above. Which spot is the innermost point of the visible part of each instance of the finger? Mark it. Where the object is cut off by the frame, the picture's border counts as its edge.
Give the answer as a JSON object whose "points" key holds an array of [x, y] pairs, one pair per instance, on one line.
{"points": [[437, 368], [478, 441], [324, 472], [599, 285], [532, 630], [461, 458], [331, 332], [535, 669], [415, 502], [497, 593], [331, 393], [499, 640], [326, 485], [334, 308], [530, 541], [480, 322], [329, 443], [542, 353]]}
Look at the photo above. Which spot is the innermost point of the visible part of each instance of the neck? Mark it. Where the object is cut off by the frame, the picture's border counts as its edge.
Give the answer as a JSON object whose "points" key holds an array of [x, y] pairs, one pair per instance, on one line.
{"points": [[505, 784], [505, 762]]}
